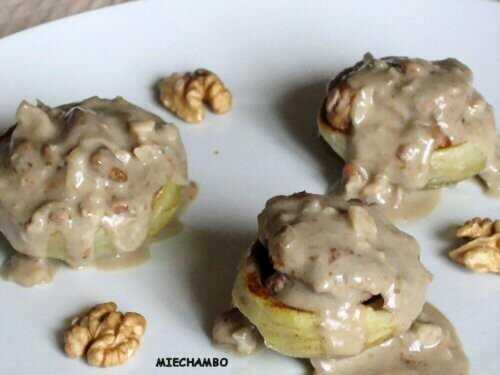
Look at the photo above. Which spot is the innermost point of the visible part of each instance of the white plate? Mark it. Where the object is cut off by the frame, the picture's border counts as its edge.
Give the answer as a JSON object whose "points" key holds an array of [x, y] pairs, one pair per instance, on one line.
{"points": [[276, 57]]}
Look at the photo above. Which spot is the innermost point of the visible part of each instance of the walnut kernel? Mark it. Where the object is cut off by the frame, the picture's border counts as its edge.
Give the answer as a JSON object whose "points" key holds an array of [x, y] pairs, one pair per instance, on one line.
{"points": [[185, 94], [338, 107], [105, 336], [119, 206], [480, 255], [116, 174], [476, 227]]}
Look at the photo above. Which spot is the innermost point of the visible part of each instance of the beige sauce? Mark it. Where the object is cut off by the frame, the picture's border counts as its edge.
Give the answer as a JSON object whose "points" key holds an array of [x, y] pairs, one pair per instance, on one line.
{"points": [[234, 332], [491, 175], [429, 347], [401, 110], [143, 254], [83, 168], [123, 260], [338, 255], [414, 205], [27, 271]]}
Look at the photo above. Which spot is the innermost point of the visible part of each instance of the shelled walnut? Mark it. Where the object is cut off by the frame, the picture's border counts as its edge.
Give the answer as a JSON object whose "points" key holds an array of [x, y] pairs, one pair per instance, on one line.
{"points": [[482, 251], [476, 227], [105, 336], [184, 94]]}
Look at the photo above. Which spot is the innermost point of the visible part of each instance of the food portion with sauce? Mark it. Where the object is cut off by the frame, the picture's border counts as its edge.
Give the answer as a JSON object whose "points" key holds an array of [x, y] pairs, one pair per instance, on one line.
{"points": [[88, 180], [337, 283], [404, 125]]}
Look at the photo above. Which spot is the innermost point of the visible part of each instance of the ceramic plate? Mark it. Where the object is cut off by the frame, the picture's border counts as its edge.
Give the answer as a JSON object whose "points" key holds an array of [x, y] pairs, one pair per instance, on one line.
{"points": [[276, 57]]}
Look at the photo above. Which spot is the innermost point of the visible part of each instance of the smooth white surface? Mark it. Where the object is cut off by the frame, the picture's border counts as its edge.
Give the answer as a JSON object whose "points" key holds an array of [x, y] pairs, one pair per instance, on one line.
{"points": [[276, 57]]}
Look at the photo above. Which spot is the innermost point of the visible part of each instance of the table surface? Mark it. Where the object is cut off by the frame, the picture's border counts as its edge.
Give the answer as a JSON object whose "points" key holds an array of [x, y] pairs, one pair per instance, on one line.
{"points": [[17, 15]]}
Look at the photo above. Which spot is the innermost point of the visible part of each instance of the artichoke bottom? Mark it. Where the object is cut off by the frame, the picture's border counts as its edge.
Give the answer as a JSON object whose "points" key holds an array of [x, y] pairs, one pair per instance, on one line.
{"points": [[448, 165], [165, 205], [290, 331]]}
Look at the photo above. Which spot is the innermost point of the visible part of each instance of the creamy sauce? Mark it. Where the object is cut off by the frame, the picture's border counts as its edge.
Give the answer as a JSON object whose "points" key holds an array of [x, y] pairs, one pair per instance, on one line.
{"points": [[73, 171], [414, 205], [429, 347], [233, 331], [143, 254], [123, 260], [400, 111], [337, 256], [491, 175], [27, 271]]}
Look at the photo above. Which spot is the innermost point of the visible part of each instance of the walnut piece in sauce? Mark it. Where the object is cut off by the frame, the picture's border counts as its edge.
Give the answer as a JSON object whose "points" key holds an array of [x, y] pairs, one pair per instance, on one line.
{"points": [[81, 178], [28, 271], [233, 330], [387, 117], [104, 336], [482, 251], [185, 94]]}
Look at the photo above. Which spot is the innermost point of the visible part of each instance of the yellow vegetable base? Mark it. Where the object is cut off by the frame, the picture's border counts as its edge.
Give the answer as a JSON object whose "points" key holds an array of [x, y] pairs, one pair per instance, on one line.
{"points": [[166, 205], [291, 331], [448, 165]]}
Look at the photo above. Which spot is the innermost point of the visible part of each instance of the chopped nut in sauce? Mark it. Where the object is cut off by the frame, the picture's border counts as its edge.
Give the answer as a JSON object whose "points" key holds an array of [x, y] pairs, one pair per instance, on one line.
{"points": [[185, 94], [232, 329], [104, 336], [276, 282], [338, 107], [118, 175]]}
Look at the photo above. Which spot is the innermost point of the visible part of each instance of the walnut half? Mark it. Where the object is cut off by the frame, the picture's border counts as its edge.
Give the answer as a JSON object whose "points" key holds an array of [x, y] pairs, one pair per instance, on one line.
{"points": [[184, 94], [105, 336], [482, 251]]}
